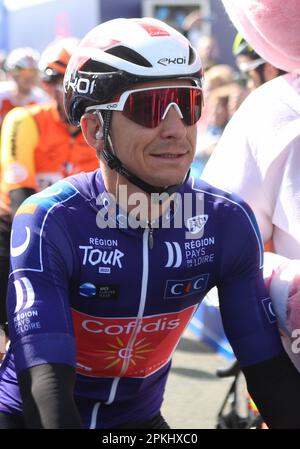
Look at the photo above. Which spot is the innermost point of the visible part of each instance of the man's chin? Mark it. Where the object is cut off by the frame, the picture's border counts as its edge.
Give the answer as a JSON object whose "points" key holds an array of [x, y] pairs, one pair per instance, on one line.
{"points": [[170, 181]]}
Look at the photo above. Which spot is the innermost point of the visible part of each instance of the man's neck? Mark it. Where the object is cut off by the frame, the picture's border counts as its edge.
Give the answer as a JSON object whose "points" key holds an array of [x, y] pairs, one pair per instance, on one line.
{"points": [[132, 199]]}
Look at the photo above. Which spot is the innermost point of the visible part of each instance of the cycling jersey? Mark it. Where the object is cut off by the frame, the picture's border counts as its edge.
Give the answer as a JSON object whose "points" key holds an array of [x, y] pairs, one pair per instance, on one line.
{"points": [[36, 151], [114, 300]]}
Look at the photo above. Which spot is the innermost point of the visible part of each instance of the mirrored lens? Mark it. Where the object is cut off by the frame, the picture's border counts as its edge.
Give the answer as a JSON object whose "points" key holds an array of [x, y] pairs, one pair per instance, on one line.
{"points": [[147, 108]]}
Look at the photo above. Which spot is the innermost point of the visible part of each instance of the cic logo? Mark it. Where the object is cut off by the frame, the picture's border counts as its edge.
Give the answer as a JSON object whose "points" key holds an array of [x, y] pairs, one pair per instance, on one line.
{"points": [[186, 287]]}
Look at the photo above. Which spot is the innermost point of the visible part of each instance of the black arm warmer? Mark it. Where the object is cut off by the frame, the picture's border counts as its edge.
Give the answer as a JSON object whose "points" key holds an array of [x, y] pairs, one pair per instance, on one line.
{"points": [[275, 388], [17, 196], [47, 394]]}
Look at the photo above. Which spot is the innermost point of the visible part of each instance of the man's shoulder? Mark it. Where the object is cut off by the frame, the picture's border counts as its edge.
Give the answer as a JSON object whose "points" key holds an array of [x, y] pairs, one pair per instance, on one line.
{"points": [[215, 194], [226, 206], [231, 216], [63, 192]]}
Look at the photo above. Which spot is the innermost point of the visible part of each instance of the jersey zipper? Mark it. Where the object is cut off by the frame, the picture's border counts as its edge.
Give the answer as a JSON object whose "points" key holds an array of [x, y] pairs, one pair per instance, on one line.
{"points": [[150, 236], [143, 296], [139, 318]]}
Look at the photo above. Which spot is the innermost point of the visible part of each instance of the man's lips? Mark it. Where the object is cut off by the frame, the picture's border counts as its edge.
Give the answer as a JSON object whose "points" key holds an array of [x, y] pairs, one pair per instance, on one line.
{"points": [[168, 155]]}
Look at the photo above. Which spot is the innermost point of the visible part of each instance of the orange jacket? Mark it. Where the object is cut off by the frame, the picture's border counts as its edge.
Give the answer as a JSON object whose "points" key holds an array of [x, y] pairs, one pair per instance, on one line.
{"points": [[37, 150]]}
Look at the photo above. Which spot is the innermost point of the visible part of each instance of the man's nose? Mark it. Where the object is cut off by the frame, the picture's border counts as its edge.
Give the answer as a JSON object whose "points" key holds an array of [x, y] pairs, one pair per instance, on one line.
{"points": [[172, 124]]}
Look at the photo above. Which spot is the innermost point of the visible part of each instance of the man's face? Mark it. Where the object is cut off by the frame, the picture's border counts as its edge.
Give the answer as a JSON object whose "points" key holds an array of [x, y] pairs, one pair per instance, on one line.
{"points": [[26, 79], [160, 156]]}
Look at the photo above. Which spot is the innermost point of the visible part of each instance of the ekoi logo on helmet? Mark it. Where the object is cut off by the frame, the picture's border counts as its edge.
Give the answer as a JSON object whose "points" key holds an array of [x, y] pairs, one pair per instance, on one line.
{"points": [[80, 85], [168, 61]]}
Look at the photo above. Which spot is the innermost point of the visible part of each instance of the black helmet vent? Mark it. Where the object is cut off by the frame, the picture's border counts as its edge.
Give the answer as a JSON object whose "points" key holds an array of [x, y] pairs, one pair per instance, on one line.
{"points": [[129, 55], [192, 55], [96, 67]]}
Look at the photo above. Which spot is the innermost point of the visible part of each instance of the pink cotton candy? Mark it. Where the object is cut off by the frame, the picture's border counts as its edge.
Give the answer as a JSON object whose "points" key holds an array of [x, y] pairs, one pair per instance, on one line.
{"points": [[272, 27]]}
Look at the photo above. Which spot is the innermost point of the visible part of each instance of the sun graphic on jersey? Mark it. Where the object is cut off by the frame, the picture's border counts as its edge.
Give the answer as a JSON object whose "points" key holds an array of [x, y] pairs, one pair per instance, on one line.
{"points": [[119, 351]]}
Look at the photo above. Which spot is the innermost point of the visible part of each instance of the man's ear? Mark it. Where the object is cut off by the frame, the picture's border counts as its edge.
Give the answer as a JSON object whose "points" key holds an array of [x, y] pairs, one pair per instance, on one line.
{"points": [[92, 131]]}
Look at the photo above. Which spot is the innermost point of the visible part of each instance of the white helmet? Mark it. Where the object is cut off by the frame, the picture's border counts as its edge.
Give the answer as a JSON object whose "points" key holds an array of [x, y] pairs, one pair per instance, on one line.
{"points": [[122, 52], [22, 58]]}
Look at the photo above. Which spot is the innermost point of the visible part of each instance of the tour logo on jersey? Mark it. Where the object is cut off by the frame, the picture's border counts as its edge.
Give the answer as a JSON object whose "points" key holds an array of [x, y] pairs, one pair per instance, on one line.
{"points": [[268, 308], [103, 291], [185, 287], [118, 347], [101, 257]]}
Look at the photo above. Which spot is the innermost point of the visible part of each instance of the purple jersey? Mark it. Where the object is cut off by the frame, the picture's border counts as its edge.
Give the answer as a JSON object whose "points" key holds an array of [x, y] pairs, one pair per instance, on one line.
{"points": [[114, 306]]}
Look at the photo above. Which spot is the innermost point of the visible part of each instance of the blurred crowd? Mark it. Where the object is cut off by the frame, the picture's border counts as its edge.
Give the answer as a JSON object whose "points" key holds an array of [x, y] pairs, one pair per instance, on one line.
{"points": [[225, 88]]}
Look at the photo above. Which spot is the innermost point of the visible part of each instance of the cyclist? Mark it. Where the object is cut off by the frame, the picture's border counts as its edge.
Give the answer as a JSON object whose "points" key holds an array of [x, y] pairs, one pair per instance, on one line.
{"points": [[22, 67], [98, 297], [38, 147]]}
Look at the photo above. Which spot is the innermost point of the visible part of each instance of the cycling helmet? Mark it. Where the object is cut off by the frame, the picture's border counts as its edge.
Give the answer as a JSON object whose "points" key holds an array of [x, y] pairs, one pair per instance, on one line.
{"points": [[112, 58], [55, 58], [122, 52], [22, 58]]}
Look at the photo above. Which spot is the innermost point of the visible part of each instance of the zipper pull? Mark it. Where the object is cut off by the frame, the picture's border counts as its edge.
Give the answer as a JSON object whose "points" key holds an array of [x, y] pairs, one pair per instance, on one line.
{"points": [[150, 236]]}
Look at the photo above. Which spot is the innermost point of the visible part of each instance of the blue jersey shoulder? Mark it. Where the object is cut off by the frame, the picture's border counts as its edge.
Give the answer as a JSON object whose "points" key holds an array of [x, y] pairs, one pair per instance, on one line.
{"points": [[28, 229], [238, 210]]}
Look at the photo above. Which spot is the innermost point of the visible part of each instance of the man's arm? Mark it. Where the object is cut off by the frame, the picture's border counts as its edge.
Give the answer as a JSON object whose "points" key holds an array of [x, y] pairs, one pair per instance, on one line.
{"points": [[47, 394], [274, 386], [38, 295]]}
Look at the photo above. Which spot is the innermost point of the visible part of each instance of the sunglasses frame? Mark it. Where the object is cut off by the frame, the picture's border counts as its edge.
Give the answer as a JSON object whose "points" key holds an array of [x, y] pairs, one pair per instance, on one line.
{"points": [[120, 103]]}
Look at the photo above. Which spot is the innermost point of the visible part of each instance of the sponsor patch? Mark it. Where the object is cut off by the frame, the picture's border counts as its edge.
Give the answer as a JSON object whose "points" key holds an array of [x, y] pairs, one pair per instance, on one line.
{"points": [[197, 223], [268, 308], [185, 287], [131, 347], [101, 291]]}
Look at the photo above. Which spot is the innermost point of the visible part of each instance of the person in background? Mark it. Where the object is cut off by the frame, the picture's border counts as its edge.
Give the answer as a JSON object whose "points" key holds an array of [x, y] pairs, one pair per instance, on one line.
{"points": [[38, 147], [22, 85], [258, 155], [223, 94], [253, 67], [208, 50]]}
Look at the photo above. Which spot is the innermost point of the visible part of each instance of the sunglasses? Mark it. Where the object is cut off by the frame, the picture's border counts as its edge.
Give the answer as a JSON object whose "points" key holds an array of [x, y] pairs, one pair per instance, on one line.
{"points": [[26, 72], [149, 106]]}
